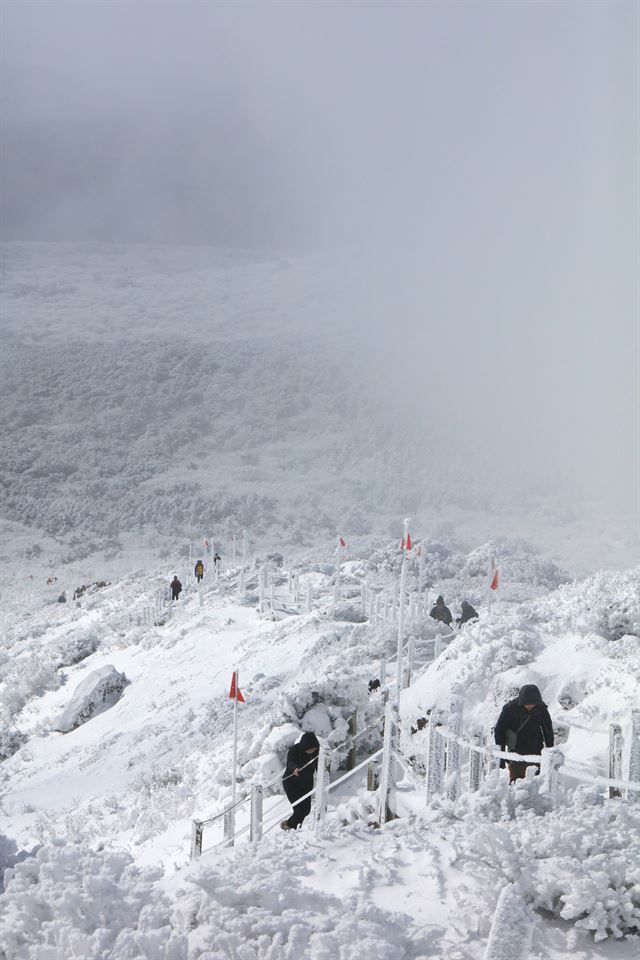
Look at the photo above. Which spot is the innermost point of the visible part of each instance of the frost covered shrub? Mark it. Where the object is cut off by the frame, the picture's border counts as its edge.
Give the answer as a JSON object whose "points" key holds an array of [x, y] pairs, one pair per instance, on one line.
{"points": [[29, 676], [10, 742], [580, 862], [519, 563], [72, 902], [78, 647], [607, 603]]}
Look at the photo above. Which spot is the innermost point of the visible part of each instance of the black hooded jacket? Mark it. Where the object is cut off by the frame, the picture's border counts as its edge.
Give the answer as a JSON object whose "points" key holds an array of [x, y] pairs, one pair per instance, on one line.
{"points": [[468, 613], [441, 612], [536, 733], [298, 758]]}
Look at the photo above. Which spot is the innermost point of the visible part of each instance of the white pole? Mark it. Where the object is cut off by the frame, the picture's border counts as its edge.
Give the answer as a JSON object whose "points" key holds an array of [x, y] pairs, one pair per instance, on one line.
{"points": [[235, 739], [190, 557], [421, 572], [261, 591], [244, 548], [491, 576], [403, 580], [336, 589], [309, 604]]}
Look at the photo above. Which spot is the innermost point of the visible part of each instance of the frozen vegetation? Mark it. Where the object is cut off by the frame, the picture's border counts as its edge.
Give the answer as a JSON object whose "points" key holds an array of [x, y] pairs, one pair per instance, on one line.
{"points": [[98, 819]]}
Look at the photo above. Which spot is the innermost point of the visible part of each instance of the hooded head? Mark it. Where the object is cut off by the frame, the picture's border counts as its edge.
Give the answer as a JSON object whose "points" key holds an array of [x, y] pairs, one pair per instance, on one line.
{"points": [[440, 600], [309, 741], [529, 694], [465, 605]]}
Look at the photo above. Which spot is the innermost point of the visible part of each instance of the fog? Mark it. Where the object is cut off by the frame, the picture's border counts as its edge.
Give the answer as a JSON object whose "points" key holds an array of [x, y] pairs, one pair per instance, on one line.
{"points": [[472, 167]]}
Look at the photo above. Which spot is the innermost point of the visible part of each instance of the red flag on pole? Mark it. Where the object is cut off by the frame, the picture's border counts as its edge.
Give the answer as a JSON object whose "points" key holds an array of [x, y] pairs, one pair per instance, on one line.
{"points": [[342, 542], [496, 580], [234, 693], [408, 541]]}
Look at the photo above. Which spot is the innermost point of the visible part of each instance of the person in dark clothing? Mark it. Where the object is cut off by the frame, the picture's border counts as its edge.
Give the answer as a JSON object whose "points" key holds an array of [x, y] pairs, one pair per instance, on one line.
{"points": [[176, 588], [199, 571], [524, 726], [467, 613], [216, 560], [298, 777], [441, 613]]}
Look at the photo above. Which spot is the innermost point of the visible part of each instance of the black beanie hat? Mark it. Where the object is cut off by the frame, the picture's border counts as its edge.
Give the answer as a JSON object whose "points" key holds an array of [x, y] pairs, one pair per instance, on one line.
{"points": [[308, 741], [529, 694]]}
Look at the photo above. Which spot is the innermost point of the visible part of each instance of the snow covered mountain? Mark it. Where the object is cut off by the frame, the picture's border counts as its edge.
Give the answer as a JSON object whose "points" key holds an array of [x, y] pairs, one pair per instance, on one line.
{"points": [[99, 818], [156, 394]]}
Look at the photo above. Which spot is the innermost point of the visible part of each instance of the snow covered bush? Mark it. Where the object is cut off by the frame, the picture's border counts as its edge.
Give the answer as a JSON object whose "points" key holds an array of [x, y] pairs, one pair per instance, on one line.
{"points": [[74, 902], [607, 603], [580, 861], [10, 742]]}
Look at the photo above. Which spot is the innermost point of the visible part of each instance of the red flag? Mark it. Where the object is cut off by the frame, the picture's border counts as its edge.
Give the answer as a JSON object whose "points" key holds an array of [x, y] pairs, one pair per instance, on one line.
{"points": [[342, 542], [496, 580], [408, 541], [234, 693], [206, 544]]}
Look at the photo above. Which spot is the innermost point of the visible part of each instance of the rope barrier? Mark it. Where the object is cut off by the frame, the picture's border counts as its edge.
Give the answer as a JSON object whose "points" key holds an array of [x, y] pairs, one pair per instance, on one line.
{"points": [[564, 771]]}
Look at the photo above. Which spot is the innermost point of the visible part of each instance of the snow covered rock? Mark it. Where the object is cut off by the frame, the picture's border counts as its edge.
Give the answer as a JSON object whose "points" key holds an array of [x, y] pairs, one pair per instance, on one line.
{"points": [[97, 692]]}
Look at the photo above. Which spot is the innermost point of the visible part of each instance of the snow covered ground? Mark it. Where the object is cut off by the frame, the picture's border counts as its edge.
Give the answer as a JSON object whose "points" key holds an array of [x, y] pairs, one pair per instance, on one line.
{"points": [[153, 396], [106, 809]]}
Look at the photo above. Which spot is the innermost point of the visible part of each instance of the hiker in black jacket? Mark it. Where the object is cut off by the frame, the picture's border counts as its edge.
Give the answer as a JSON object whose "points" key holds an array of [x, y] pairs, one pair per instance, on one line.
{"points": [[524, 727], [467, 613], [441, 612], [298, 777]]}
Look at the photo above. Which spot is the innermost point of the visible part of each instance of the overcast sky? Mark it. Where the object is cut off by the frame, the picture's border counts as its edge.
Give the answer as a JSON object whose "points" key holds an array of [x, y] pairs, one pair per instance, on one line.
{"points": [[484, 154]]}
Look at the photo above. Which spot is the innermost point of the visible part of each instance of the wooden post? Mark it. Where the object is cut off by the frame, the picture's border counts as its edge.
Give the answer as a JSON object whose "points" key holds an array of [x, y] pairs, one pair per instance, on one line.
{"points": [[435, 754], [634, 755], [511, 929], [383, 672], [353, 729], [322, 782], [373, 781], [437, 647], [489, 761], [196, 839], [615, 757], [229, 826], [386, 771], [452, 762], [475, 761], [255, 830], [411, 659], [552, 760]]}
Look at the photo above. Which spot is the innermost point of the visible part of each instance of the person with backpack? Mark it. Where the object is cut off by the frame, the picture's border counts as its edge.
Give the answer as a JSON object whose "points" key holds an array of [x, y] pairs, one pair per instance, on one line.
{"points": [[216, 561], [199, 571], [466, 613], [176, 588], [302, 763], [441, 612], [524, 727]]}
